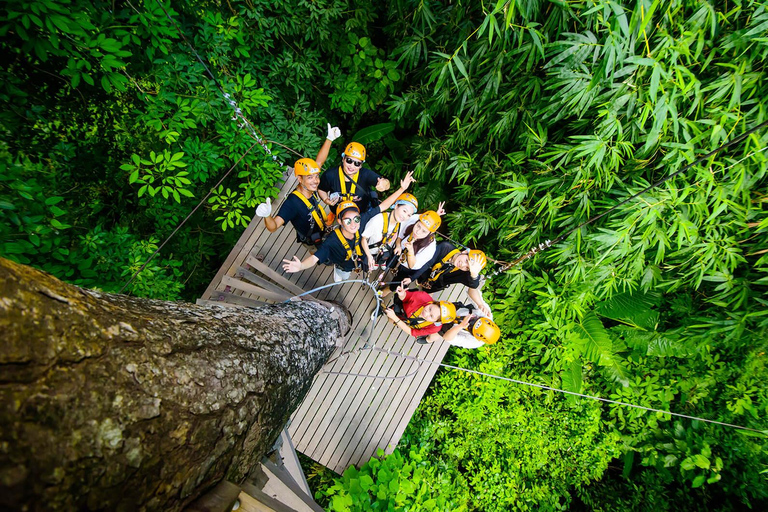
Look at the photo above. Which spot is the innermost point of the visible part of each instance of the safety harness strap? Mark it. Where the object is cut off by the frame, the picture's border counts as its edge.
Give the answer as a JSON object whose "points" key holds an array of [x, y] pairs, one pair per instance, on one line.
{"points": [[443, 266], [315, 209], [345, 243], [415, 321], [343, 183]]}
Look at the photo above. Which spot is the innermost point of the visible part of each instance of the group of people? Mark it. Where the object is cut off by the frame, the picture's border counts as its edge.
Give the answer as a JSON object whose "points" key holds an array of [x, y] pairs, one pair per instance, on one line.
{"points": [[361, 233]]}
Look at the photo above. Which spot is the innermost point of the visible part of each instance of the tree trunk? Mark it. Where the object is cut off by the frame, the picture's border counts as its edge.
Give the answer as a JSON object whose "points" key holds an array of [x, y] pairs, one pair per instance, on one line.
{"points": [[114, 402]]}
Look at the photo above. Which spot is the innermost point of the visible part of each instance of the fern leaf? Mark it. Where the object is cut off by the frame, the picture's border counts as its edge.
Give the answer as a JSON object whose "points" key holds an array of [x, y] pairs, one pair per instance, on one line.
{"points": [[596, 340], [633, 309], [572, 379]]}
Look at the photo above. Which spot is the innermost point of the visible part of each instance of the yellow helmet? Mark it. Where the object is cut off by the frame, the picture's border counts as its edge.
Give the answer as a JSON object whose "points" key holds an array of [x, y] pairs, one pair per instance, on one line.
{"points": [[431, 220], [479, 254], [486, 331], [343, 206], [355, 150], [305, 167], [407, 198], [447, 312]]}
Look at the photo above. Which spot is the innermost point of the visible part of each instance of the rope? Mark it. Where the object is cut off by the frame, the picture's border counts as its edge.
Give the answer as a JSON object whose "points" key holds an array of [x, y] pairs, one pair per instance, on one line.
{"points": [[540, 386], [186, 219], [243, 121]]}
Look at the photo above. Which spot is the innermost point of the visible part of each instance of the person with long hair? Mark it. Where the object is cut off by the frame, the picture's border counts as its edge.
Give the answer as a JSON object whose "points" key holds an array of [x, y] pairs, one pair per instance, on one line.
{"points": [[417, 247]]}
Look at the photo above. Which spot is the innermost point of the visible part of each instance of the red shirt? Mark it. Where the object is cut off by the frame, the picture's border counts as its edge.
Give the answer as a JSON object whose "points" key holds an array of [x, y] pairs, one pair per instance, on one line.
{"points": [[411, 303]]}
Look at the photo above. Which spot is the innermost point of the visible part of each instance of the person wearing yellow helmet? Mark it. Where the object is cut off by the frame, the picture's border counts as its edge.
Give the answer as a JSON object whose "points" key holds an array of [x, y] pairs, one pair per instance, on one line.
{"points": [[381, 233], [469, 329], [351, 181], [416, 245], [343, 247], [303, 208], [451, 265], [418, 314]]}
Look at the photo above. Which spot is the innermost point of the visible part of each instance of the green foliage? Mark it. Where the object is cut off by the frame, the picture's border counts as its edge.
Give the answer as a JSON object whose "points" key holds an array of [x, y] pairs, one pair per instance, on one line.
{"points": [[527, 117], [387, 483]]}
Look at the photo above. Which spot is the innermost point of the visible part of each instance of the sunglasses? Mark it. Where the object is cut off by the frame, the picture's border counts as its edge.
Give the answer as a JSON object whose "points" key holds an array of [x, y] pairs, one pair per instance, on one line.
{"points": [[356, 163], [349, 220]]}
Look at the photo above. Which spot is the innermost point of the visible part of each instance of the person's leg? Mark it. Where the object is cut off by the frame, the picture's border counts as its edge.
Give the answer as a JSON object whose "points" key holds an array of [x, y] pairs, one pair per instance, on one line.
{"points": [[340, 275]]}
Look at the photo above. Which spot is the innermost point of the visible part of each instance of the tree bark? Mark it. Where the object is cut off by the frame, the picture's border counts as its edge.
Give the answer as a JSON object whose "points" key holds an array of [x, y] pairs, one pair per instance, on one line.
{"points": [[120, 403]]}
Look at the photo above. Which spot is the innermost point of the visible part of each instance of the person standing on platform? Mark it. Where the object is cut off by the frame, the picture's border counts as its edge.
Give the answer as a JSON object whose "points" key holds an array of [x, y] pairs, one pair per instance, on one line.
{"points": [[418, 314], [417, 244], [343, 247], [451, 265], [470, 329], [381, 232], [350, 181], [303, 208]]}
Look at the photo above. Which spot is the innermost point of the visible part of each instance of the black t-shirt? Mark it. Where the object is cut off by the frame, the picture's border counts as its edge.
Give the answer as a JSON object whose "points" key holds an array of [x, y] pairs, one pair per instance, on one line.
{"points": [[333, 252], [296, 212], [447, 278], [366, 181]]}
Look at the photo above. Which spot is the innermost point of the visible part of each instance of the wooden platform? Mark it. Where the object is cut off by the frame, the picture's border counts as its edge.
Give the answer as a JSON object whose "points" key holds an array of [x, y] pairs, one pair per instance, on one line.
{"points": [[343, 420]]}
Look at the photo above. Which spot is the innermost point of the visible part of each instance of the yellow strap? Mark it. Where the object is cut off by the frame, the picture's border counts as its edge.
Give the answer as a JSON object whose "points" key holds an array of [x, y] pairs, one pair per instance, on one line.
{"points": [[345, 243], [387, 239], [316, 210], [415, 322], [343, 182], [441, 267]]}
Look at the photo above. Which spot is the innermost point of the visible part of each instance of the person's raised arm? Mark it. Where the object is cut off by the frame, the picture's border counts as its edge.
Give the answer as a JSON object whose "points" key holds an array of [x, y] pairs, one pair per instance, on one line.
{"points": [[477, 298], [451, 333], [322, 155], [296, 265], [404, 184]]}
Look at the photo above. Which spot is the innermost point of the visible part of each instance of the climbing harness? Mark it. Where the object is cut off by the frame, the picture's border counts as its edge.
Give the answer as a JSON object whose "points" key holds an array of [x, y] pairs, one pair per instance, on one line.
{"points": [[347, 196], [355, 254], [443, 266]]}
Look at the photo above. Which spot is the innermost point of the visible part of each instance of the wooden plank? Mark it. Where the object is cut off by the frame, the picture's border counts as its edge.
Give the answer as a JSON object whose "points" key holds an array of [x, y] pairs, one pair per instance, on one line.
{"points": [[325, 399], [231, 298], [231, 259], [377, 398], [346, 393], [451, 294], [219, 499], [382, 407], [291, 462], [273, 275], [391, 414], [245, 274], [252, 289]]}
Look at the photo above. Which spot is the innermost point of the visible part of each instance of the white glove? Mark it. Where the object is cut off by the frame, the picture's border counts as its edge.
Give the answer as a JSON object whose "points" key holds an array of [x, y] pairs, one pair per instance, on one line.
{"points": [[264, 209], [333, 133]]}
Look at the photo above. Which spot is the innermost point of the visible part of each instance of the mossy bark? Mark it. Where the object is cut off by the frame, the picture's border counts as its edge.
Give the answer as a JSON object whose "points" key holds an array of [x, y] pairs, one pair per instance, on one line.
{"points": [[120, 403]]}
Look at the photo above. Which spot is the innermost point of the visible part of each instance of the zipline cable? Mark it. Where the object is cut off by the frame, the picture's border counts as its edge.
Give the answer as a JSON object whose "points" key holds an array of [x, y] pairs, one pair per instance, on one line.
{"points": [[420, 361], [186, 218], [542, 386], [243, 121]]}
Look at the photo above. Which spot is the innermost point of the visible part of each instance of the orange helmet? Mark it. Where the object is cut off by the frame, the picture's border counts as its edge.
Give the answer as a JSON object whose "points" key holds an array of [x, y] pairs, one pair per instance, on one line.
{"points": [[305, 167], [486, 331], [355, 150], [343, 206], [407, 198], [447, 312], [431, 220], [479, 254]]}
